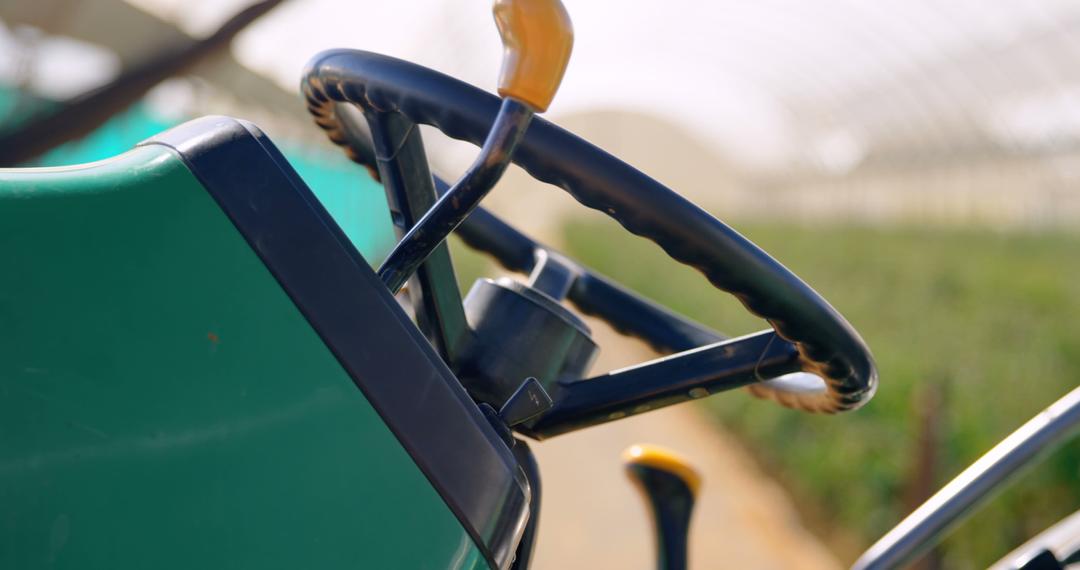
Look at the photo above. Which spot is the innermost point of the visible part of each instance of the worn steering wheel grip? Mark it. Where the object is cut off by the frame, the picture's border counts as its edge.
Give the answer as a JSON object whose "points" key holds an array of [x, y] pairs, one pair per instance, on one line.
{"points": [[828, 345]]}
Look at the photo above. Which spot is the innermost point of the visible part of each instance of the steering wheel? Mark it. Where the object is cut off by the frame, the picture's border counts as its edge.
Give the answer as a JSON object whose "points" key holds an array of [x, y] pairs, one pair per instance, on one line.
{"points": [[810, 335]]}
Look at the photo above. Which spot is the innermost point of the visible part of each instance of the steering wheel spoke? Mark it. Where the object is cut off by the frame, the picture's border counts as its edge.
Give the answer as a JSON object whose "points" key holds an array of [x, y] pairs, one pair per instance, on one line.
{"points": [[689, 375]]}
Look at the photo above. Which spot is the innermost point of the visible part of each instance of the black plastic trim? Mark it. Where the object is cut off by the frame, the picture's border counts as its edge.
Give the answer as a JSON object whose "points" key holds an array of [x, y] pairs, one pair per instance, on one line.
{"points": [[388, 359]]}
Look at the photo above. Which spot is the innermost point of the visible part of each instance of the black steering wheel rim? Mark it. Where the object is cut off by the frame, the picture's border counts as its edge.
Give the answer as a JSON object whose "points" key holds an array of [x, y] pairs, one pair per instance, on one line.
{"points": [[828, 345]]}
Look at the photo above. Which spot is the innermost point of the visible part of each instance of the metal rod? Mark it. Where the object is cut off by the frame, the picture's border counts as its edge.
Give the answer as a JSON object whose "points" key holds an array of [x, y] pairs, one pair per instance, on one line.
{"points": [[554, 274], [922, 528], [510, 124], [397, 149], [671, 380]]}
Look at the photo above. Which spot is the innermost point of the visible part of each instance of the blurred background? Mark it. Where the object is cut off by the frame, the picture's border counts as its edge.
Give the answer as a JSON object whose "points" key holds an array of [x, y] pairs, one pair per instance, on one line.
{"points": [[916, 162]]}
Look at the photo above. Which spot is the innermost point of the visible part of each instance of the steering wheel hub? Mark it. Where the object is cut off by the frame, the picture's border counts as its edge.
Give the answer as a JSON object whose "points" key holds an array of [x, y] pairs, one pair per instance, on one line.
{"points": [[521, 332]]}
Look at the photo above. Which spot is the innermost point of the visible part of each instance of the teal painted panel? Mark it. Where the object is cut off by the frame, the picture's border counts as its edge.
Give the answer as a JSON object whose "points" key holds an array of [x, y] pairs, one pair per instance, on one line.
{"points": [[163, 404], [118, 135], [355, 200]]}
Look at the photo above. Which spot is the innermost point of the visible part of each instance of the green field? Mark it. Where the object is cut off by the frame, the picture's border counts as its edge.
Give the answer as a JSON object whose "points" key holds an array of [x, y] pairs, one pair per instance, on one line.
{"points": [[988, 323]]}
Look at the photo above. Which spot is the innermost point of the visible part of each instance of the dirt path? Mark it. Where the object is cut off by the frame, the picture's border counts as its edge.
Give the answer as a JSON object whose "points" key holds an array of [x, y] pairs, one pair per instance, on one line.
{"points": [[592, 518]]}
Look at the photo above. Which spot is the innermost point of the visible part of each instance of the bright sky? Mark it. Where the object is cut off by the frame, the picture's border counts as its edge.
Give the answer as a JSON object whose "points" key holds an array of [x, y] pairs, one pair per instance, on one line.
{"points": [[730, 70]]}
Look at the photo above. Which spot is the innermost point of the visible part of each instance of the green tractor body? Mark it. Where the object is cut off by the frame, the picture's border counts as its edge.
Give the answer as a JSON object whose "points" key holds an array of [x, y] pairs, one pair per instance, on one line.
{"points": [[199, 369]]}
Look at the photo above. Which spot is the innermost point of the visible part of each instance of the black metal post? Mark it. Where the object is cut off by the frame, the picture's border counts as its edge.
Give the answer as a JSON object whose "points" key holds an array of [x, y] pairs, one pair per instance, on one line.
{"points": [[410, 191]]}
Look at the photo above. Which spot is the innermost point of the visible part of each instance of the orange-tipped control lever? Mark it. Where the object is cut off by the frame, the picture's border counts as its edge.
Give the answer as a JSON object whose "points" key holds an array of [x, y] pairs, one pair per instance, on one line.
{"points": [[537, 38], [669, 485]]}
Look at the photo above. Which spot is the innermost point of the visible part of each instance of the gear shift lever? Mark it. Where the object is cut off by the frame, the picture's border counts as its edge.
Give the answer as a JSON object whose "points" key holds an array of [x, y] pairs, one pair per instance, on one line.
{"points": [[537, 39], [669, 485]]}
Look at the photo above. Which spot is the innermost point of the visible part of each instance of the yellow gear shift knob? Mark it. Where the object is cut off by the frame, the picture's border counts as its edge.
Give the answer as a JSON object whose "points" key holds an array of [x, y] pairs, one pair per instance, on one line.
{"points": [[537, 39], [643, 456], [670, 486]]}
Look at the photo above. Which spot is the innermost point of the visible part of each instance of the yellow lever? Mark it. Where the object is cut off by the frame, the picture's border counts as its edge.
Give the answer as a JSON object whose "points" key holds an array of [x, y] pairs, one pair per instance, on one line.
{"points": [[537, 38], [669, 485], [644, 456]]}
